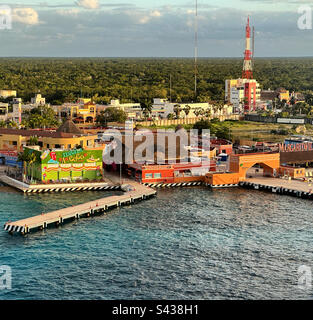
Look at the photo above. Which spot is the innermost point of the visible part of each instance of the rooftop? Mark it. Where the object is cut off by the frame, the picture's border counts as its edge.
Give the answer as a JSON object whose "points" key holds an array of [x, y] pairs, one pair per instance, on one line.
{"points": [[67, 130]]}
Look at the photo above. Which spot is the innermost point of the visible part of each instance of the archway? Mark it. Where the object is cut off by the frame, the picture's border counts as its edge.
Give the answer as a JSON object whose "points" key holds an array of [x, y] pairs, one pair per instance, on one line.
{"points": [[241, 163]]}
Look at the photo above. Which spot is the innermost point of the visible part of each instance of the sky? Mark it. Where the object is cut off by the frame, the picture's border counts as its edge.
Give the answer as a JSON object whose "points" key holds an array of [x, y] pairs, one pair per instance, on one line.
{"points": [[149, 28]]}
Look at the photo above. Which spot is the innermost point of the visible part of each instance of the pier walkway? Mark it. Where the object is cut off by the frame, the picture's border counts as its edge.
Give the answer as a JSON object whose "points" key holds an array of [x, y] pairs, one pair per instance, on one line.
{"points": [[41, 188], [295, 188], [92, 208]]}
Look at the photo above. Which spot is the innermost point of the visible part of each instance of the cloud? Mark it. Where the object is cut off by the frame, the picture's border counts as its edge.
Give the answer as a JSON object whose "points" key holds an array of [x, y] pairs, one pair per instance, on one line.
{"points": [[27, 16], [144, 17], [134, 31], [88, 4], [68, 12], [155, 13]]}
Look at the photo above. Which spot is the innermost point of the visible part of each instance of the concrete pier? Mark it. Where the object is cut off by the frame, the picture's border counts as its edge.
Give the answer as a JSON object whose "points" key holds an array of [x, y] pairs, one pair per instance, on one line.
{"points": [[41, 188], [295, 188], [92, 208]]}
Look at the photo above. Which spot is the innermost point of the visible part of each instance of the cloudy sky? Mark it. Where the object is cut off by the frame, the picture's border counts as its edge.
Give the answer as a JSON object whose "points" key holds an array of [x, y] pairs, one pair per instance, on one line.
{"points": [[149, 28]]}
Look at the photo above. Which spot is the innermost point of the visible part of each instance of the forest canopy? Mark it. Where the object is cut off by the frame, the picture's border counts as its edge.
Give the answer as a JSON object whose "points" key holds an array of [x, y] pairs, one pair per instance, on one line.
{"points": [[140, 79]]}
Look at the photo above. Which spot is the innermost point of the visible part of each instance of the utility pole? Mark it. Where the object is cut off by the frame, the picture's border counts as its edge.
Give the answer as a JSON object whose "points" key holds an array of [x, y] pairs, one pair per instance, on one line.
{"points": [[170, 88], [196, 49], [121, 173]]}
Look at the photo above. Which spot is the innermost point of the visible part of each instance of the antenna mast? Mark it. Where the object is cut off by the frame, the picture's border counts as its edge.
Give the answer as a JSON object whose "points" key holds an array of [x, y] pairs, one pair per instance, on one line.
{"points": [[196, 49], [253, 41]]}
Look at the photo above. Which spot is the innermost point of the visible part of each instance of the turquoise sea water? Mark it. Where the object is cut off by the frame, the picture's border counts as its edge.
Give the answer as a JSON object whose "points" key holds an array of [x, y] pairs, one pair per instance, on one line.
{"points": [[185, 244]]}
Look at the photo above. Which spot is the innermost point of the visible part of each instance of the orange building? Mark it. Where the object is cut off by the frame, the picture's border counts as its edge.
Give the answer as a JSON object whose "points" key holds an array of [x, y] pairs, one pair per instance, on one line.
{"points": [[241, 163], [294, 173], [170, 173], [222, 146], [222, 179]]}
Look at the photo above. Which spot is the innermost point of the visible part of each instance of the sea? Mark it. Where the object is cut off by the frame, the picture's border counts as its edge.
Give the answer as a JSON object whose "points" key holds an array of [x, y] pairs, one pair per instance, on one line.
{"points": [[188, 243]]}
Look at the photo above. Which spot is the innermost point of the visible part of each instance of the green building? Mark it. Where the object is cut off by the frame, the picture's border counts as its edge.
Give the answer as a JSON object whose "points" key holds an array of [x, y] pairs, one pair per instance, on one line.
{"points": [[60, 166]]}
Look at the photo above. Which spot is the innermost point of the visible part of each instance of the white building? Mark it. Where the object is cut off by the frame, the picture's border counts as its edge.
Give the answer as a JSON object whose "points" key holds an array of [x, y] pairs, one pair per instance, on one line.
{"points": [[235, 93], [4, 111], [162, 108], [133, 110], [7, 93], [38, 100], [17, 110]]}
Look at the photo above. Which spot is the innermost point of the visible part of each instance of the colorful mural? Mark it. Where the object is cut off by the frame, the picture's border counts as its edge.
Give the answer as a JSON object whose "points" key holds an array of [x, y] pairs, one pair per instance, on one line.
{"points": [[71, 165]]}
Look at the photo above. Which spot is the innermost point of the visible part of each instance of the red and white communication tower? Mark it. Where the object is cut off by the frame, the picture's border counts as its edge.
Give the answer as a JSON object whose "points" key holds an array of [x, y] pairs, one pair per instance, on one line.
{"points": [[247, 72]]}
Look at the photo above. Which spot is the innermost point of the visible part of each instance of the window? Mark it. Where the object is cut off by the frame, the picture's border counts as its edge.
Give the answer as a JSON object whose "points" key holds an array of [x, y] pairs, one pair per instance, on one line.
{"points": [[69, 146], [149, 175], [157, 176], [14, 143]]}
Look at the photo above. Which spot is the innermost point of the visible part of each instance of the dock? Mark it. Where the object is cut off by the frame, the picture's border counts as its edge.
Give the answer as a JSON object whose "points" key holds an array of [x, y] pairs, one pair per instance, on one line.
{"points": [[63, 187], [295, 188], [93, 208]]}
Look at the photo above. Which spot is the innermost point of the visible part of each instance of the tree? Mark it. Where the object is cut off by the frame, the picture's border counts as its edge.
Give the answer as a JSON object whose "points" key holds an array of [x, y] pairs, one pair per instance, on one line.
{"points": [[187, 110], [33, 141], [197, 112], [146, 107], [111, 114], [202, 125], [40, 117], [177, 110], [27, 158], [11, 124], [293, 100], [208, 113]]}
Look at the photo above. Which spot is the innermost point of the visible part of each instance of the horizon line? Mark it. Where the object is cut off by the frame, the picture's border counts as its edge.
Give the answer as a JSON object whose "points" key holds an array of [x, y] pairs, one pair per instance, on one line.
{"points": [[149, 57]]}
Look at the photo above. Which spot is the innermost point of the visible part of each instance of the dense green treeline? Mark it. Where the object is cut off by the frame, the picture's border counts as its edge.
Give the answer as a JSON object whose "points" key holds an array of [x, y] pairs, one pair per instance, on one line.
{"points": [[139, 80]]}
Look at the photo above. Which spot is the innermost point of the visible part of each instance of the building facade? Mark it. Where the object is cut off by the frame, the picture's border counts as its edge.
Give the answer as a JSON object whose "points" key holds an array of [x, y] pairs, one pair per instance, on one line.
{"points": [[68, 136], [243, 94], [64, 165]]}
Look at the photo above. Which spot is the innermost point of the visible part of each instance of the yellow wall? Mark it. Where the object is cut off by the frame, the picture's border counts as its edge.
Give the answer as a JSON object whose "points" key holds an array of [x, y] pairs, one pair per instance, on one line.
{"points": [[292, 172], [84, 111], [284, 96], [16, 142]]}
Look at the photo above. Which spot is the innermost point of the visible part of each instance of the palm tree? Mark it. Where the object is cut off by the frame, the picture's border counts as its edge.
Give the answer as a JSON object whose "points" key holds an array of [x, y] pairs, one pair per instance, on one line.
{"points": [[197, 112], [11, 124], [147, 108], [187, 110], [33, 141], [208, 113], [177, 110], [27, 158]]}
